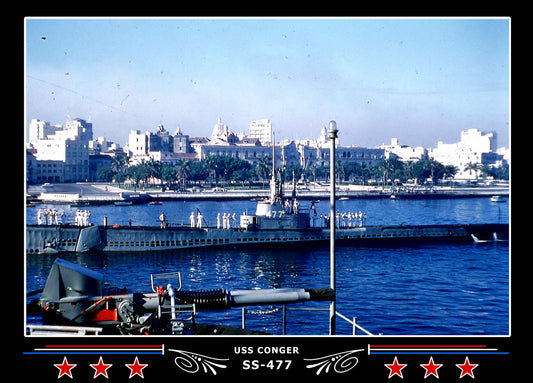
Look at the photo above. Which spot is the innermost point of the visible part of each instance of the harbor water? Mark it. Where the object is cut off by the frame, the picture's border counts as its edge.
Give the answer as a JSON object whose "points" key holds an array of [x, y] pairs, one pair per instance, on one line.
{"points": [[411, 289]]}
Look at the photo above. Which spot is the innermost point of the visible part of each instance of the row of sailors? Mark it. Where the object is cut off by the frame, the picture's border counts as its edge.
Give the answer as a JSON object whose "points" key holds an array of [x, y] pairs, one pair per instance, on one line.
{"points": [[54, 217], [50, 217], [345, 219], [82, 218], [226, 220]]}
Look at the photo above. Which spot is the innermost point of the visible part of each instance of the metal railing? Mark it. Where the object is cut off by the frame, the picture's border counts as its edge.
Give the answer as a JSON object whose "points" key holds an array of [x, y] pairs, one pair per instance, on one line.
{"points": [[53, 330], [284, 309]]}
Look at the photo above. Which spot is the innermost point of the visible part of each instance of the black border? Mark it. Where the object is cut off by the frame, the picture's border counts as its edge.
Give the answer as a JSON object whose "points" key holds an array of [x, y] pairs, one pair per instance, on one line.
{"points": [[163, 368]]}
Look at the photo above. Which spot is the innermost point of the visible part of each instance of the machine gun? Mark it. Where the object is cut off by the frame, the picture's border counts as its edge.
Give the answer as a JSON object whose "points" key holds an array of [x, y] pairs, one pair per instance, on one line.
{"points": [[75, 296]]}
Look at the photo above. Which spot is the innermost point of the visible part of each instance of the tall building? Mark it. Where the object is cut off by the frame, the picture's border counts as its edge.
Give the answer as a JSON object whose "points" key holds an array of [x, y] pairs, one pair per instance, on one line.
{"points": [[68, 146], [40, 130], [261, 129], [181, 142], [475, 147], [137, 143]]}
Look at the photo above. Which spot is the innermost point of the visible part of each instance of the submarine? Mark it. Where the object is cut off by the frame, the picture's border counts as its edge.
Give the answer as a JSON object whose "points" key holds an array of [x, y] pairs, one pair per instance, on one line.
{"points": [[274, 223]]}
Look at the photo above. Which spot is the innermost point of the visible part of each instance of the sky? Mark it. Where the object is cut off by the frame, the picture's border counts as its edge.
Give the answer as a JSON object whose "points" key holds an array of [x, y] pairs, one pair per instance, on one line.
{"points": [[420, 80]]}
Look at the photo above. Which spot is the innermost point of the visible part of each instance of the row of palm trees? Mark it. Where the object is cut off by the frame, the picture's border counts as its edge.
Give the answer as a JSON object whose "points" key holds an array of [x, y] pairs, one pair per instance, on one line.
{"points": [[226, 169]]}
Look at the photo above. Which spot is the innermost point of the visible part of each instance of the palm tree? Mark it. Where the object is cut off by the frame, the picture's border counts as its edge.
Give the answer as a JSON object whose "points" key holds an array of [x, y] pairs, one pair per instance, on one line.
{"points": [[211, 164], [262, 169], [386, 167], [168, 172], [408, 167], [153, 168], [183, 171], [432, 165], [312, 168], [119, 163], [118, 166], [473, 166], [136, 173]]}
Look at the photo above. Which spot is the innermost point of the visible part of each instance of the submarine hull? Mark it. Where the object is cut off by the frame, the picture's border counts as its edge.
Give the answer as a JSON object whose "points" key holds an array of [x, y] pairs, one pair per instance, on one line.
{"points": [[43, 239]]}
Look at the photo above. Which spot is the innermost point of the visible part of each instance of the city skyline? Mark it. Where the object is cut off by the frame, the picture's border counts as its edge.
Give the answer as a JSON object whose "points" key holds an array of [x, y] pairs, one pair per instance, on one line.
{"points": [[421, 80]]}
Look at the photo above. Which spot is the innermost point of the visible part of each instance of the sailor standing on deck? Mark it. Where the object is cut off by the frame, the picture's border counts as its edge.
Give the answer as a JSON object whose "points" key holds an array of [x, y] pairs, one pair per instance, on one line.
{"points": [[192, 219], [218, 221], [40, 216], [199, 220], [226, 220], [163, 220], [287, 206]]}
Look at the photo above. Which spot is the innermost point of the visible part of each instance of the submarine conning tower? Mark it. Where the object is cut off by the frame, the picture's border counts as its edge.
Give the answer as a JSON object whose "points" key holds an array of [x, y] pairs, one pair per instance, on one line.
{"points": [[275, 213]]}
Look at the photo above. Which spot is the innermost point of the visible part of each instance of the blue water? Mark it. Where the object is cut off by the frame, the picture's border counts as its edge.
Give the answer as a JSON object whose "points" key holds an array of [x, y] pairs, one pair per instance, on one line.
{"points": [[416, 289]]}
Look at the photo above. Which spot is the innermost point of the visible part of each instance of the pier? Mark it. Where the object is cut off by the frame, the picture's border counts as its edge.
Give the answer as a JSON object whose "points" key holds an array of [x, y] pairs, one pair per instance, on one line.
{"points": [[83, 193]]}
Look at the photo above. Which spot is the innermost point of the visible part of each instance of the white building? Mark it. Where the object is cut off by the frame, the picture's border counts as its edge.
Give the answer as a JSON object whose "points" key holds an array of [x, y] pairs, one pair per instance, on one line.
{"points": [[137, 143], [404, 152], [40, 130], [322, 142], [261, 129], [475, 147], [102, 145], [221, 134], [69, 145]]}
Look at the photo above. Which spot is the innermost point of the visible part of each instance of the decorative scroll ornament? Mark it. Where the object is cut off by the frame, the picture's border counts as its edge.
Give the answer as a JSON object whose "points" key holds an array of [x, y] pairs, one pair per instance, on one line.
{"points": [[191, 362], [342, 362]]}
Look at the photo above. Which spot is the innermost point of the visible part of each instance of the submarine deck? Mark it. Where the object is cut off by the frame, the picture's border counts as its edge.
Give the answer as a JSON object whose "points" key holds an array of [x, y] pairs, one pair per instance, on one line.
{"points": [[68, 238]]}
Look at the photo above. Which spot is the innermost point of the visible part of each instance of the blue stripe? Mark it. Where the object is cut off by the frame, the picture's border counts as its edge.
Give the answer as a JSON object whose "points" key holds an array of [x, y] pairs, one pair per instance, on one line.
{"points": [[438, 353], [92, 353]]}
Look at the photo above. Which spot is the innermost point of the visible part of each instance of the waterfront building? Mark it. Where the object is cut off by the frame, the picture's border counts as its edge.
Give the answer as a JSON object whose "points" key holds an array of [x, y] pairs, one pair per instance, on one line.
{"points": [[102, 145], [69, 154], [159, 146], [77, 129], [44, 170], [68, 146], [262, 130], [141, 144], [475, 147], [40, 130], [160, 141], [181, 142], [318, 154], [221, 135], [404, 152], [137, 144], [250, 153], [97, 162]]}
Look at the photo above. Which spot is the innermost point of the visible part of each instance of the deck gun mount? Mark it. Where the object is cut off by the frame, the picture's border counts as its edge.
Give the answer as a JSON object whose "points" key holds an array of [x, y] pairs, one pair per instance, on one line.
{"points": [[76, 296]]}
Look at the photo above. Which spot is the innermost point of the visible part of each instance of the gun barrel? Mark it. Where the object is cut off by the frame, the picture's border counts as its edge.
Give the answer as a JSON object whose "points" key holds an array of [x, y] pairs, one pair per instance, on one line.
{"points": [[265, 297]]}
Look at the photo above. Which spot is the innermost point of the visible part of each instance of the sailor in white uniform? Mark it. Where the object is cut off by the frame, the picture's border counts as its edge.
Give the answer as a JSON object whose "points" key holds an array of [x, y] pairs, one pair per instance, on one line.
{"points": [[40, 216], [199, 220]]}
